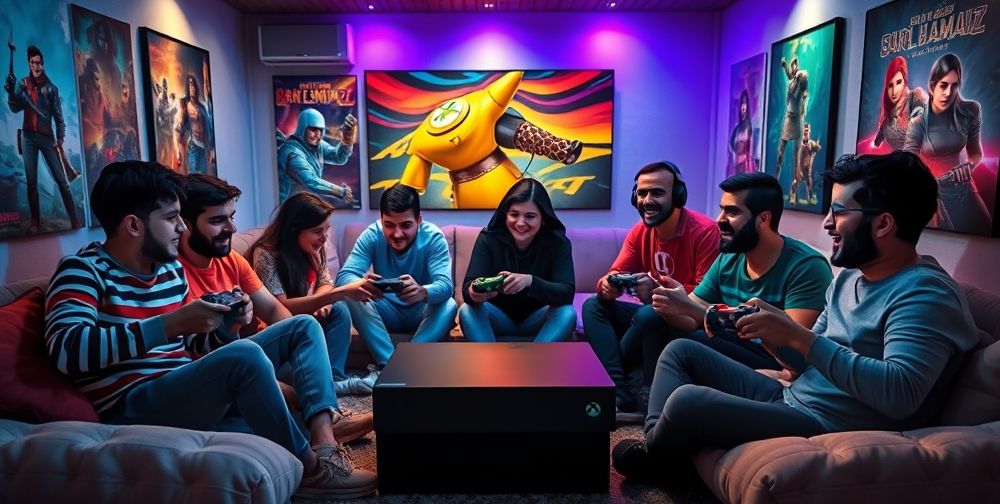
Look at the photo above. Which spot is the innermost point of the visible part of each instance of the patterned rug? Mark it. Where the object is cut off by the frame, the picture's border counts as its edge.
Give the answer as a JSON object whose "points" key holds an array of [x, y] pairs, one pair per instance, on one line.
{"points": [[692, 491]]}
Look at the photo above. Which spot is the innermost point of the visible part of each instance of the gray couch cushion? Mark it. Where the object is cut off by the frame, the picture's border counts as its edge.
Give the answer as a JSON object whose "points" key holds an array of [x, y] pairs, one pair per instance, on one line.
{"points": [[70, 461]]}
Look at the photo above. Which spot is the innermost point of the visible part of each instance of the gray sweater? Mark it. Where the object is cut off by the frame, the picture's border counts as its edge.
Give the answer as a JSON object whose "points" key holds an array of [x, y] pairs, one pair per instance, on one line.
{"points": [[886, 352]]}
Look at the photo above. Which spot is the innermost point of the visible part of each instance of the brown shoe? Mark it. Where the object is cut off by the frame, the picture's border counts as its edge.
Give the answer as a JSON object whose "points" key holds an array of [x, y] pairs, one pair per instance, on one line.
{"points": [[336, 477], [349, 425]]}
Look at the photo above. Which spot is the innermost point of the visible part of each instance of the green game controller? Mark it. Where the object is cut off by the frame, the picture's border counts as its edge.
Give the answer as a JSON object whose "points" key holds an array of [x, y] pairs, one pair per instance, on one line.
{"points": [[483, 285]]}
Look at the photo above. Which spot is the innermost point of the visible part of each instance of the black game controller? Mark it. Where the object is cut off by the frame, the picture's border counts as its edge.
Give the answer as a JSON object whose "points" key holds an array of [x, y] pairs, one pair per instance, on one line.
{"points": [[721, 319], [622, 281], [234, 300], [388, 284], [483, 285]]}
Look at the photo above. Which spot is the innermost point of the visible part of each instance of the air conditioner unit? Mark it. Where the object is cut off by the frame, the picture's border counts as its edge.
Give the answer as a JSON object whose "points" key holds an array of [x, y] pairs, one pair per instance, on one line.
{"points": [[286, 45]]}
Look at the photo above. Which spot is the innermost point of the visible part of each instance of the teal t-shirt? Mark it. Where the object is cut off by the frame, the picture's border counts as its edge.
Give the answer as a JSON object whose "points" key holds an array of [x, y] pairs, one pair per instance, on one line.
{"points": [[799, 279]]}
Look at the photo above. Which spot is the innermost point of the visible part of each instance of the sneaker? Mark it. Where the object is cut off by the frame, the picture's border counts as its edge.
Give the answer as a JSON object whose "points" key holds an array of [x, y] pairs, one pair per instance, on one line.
{"points": [[627, 412], [352, 385], [336, 477], [373, 373], [349, 425], [631, 459]]}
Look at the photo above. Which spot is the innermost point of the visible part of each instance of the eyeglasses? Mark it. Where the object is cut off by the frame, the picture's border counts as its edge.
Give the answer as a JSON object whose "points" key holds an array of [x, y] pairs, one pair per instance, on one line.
{"points": [[837, 209]]}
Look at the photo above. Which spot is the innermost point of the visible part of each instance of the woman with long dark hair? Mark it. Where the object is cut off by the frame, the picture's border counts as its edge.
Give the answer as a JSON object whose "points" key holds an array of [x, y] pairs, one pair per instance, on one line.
{"points": [[290, 258], [741, 141], [947, 139], [526, 243]]}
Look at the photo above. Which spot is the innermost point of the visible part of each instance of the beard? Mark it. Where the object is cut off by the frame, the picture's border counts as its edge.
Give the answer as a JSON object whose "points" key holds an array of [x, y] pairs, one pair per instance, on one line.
{"points": [[157, 251], [858, 249], [203, 246], [661, 215], [744, 240]]}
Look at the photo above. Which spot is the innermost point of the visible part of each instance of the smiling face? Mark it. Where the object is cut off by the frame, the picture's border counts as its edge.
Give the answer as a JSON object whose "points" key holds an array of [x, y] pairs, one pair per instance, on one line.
{"points": [[523, 221], [850, 228], [163, 230], [400, 229], [312, 240], [944, 92], [653, 197], [212, 233], [737, 224]]}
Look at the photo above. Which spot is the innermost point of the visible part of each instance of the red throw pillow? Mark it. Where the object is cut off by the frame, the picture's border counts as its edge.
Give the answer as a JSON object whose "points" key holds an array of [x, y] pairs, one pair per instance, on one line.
{"points": [[31, 388]]}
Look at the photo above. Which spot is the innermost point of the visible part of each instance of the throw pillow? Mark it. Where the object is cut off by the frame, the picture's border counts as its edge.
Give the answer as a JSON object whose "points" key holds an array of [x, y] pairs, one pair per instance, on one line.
{"points": [[31, 388]]}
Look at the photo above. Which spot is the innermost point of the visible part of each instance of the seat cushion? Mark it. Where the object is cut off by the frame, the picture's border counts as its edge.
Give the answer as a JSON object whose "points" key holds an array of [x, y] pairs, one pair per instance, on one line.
{"points": [[975, 398], [31, 388], [69, 461]]}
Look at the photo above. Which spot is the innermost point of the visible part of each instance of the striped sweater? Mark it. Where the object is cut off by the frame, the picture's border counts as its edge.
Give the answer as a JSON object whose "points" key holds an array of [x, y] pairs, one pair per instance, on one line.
{"points": [[103, 324]]}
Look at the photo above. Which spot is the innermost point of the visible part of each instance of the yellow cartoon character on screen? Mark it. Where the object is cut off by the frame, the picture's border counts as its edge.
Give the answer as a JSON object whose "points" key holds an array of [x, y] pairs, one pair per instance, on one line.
{"points": [[464, 134]]}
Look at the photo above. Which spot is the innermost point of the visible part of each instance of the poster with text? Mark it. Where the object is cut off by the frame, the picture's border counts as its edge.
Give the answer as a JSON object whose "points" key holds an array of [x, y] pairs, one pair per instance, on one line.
{"points": [[802, 102], [177, 86], [930, 86], [102, 51], [464, 138], [315, 120], [41, 186]]}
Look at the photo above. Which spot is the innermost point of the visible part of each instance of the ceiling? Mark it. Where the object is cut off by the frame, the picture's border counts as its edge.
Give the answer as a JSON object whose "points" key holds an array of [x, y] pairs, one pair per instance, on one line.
{"points": [[482, 6]]}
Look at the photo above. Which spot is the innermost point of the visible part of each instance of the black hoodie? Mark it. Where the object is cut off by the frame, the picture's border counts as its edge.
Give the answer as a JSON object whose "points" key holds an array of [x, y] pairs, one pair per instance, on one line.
{"points": [[548, 258]]}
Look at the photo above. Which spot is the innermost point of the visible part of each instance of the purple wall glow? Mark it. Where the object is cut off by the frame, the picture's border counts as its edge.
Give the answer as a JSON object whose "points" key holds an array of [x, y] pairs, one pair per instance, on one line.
{"points": [[749, 27], [664, 83]]}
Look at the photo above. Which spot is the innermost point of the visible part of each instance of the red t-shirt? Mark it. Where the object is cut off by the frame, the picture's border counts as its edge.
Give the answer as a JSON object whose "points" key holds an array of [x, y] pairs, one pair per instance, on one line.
{"points": [[222, 274], [686, 256]]}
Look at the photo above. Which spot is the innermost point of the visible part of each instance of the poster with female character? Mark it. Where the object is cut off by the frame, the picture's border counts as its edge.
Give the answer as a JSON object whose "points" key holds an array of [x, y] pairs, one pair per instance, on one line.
{"points": [[316, 126], [928, 86], [802, 113], [102, 51], [41, 187], [179, 113], [746, 114], [463, 138]]}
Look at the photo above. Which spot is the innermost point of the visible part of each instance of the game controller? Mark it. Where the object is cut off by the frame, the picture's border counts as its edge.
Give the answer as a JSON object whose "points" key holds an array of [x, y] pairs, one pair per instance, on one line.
{"points": [[393, 285], [622, 281], [483, 285], [721, 319], [234, 300]]}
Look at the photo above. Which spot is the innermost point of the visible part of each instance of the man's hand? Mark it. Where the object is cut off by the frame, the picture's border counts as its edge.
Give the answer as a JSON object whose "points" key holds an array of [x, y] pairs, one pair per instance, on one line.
{"points": [[515, 282], [195, 317], [348, 194], [605, 290], [349, 130], [412, 292], [669, 297], [241, 317], [784, 376], [774, 328], [376, 293], [322, 313], [8, 84], [480, 297], [644, 285]]}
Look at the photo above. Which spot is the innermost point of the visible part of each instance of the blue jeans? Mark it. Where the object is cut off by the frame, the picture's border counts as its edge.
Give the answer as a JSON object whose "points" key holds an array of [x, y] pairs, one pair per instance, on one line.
{"points": [[199, 394], [484, 321], [701, 398], [375, 319], [197, 159], [337, 328]]}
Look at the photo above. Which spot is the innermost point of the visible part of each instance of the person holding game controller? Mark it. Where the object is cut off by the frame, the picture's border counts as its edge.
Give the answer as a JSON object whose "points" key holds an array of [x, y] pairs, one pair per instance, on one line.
{"points": [[401, 246], [883, 354], [668, 240], [520, 280], [756, 261], [290, 258]]}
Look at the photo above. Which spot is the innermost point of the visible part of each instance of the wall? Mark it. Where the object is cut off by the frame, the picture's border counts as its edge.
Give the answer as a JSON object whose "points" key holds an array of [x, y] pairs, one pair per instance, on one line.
{"points": [[748, 28], [214, 26], [664, 85]]}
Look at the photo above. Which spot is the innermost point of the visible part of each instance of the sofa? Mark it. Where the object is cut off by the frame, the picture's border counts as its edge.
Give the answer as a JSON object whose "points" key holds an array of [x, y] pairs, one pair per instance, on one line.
{"points": [[56, 461]]}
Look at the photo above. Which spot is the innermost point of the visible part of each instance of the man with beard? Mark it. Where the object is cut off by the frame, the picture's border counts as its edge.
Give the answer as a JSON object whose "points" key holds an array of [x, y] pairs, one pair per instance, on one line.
{"points": [[756, 262], [668, 241], [118, 326], [208, 208], [882, 356]]}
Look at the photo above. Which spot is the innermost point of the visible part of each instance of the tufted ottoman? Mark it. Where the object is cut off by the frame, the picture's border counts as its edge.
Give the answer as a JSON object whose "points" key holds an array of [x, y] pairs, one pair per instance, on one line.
{"points": [[87, 462]]}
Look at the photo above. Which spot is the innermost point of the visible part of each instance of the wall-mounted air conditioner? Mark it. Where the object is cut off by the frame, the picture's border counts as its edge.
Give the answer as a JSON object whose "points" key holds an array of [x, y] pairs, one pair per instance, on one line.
{"points": [[286, 45]]}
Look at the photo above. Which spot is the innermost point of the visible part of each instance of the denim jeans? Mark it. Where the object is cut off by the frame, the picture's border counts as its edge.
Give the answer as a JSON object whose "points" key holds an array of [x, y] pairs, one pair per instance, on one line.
{"points": [[375, 319], [337, 328], [199, 394], [701, 398], [483, 322]]}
